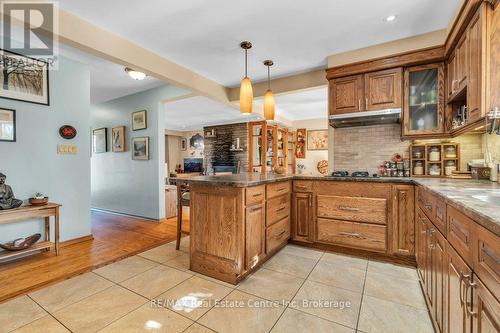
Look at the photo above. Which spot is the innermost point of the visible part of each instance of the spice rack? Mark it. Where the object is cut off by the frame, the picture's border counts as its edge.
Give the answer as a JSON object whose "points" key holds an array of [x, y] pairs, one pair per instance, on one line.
{"points": [[433, 167]]}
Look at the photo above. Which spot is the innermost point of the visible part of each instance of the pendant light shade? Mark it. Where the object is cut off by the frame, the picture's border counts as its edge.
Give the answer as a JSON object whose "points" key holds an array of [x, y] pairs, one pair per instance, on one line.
{"points": [[246, 90], [269, 107], [246, 96]]}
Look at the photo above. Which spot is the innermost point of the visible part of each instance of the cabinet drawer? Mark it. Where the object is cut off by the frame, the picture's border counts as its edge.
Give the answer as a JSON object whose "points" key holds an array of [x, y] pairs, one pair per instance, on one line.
{"points": [[352, 234], [427, 203], [277, 234], [273, 190], [487, 259], [255, 195], [370, 210], [460, 231], [277, 209], [302, 186], [439, 217]]}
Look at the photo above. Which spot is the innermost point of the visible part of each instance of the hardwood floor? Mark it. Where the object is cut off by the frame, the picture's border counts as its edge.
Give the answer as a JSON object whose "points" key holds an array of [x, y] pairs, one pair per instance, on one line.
{"points": [[115, 237]]}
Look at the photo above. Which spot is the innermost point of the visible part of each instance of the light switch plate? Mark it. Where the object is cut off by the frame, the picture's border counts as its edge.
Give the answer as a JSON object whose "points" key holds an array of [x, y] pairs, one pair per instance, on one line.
{"points": [[67, 149]]}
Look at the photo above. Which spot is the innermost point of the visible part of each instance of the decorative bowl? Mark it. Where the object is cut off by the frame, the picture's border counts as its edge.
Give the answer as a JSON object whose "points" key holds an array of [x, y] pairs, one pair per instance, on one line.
{"points": [[39, 201]]}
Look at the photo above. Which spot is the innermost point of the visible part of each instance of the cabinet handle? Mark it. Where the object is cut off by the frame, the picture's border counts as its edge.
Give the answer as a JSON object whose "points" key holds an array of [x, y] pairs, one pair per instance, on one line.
{"points": [[255, 209], [462, 278], [428, 207], [278, 236], [300, 187], [359, 104], [366, 103], [349, 209], [257, 195], [310, 200], [280, 209], [471, 285], [350, 234]]}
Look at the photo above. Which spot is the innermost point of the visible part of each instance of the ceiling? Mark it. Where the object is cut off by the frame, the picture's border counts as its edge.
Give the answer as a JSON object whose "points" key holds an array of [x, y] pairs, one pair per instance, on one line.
{"points": [[193, 113], [107, 79], [196, 112], [204, 35]]}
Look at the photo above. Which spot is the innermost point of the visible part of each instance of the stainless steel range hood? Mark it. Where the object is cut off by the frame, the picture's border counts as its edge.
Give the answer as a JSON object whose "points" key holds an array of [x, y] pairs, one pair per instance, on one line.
{"points": [[365, 118]]}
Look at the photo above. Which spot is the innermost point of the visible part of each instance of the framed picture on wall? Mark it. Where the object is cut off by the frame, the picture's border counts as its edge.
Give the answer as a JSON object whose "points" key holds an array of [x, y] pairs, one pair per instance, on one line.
{"points": [[24, 79], [301, 143], [317, 140], [139, 120], [183, 144], [100, 140], [7, 125], [118, 139], [140, 148]]}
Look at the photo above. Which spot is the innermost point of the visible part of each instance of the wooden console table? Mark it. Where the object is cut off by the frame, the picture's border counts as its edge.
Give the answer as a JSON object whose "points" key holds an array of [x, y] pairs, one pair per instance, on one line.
{"points": [[24, 213]]}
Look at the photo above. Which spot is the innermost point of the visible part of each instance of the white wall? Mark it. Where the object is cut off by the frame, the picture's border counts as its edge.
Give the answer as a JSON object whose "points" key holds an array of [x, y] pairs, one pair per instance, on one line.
{"points": [[312, 156], [119, 183], [32, 163]]}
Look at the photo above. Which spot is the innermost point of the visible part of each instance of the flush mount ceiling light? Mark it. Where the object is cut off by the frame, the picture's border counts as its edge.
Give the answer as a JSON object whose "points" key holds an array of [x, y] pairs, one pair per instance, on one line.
{"points": [[136, 75], [390, 18], [268, 97], [246, 91]]}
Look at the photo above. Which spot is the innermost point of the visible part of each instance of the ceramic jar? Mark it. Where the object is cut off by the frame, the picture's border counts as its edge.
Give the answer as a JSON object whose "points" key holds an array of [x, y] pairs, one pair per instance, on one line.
{"points": [[449, 168], [418, 168], [450, 152], [434, 154], [435, 170]]}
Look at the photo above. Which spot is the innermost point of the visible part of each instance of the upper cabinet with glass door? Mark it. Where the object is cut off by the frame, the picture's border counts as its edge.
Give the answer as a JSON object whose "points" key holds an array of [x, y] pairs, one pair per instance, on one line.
{"points": [[424, 105]]}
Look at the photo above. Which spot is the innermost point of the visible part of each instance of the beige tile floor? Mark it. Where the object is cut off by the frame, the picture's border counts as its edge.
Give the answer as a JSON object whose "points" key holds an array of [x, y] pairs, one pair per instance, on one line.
{"points": [[298, 290]]}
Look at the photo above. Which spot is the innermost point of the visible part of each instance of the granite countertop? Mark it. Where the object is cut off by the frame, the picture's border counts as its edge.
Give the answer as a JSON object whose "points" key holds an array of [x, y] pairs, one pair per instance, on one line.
{"points": [[239, 180], [479, 199]]}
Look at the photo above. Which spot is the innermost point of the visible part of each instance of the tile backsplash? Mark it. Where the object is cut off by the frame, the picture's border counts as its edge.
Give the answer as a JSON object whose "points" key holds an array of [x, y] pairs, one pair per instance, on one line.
{"points": [[365, 148]]}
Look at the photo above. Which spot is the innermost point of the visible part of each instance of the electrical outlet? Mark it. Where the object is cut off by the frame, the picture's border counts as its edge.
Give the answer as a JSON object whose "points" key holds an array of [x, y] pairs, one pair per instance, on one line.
{"points": [[67, 149]]}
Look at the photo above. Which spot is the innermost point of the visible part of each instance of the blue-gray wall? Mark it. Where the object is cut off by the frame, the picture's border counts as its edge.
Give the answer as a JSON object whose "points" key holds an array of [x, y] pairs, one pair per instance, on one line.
{"points": [[32, 163], [119, 183]]}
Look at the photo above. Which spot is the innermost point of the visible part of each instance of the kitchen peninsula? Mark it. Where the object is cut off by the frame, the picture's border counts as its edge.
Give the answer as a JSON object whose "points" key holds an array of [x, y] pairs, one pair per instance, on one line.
{"points": [[239, 221]]}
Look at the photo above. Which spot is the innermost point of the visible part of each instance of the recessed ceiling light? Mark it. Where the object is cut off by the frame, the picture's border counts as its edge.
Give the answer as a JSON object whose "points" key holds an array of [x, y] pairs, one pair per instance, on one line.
{"points": [[390, 18], [136, 75]]}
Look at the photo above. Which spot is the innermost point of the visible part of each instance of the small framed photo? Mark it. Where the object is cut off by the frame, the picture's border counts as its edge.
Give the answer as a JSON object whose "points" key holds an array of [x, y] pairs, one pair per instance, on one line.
{"points": [[118, 139], [317, 140], [7, 125], [139, 120], [140, 148], [183, 144], [100, 140]]}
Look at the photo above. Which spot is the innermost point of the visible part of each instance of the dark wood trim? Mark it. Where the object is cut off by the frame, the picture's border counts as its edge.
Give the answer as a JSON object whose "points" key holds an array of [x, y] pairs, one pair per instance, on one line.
{"points": [[412, 58], [77, 240], [402, 260]]}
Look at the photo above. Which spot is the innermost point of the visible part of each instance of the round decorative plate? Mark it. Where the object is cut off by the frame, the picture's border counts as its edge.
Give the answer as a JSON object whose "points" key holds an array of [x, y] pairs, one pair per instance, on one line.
{"points": [[67, 132], [323, 167]]}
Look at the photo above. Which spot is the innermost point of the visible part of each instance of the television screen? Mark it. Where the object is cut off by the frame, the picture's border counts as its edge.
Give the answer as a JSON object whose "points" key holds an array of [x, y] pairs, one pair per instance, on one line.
{"points": [[193, 165]]}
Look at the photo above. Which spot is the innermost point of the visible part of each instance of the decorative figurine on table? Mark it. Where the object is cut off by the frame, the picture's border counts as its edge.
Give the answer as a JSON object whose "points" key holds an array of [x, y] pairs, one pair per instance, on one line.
{"points": [[7, 198]]}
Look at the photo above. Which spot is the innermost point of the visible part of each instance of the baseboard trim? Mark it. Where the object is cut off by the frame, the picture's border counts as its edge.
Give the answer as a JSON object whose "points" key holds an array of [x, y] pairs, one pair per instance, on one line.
{"points": [[77, 240], [124, 214]]}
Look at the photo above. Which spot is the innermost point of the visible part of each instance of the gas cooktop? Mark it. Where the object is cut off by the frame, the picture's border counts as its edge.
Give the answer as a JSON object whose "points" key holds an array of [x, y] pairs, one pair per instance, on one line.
{"points": [[355, 174]]}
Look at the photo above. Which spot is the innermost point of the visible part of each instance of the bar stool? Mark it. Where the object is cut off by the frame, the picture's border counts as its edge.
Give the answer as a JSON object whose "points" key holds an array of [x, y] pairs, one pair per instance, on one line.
{"points": [[183, 198]]}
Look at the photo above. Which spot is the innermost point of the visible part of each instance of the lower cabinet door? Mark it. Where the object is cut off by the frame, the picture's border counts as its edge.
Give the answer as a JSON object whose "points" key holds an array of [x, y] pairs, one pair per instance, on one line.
{"points": [[485, 308], [421, 246], [255, 247], [277, 235], [439, 277], [458, 273], [403, 220], [302, 218]]}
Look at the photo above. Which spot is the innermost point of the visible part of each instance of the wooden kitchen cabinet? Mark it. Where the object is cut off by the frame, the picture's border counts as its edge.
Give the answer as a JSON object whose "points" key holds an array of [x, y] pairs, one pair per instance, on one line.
{"points": [[368, 92], [439, 277], [302, 217], [458, 270], [255, 242], [383, 89], [451, 72], [346, 95], [403, 220], [462, 64], [424, 102], [484, 310]]}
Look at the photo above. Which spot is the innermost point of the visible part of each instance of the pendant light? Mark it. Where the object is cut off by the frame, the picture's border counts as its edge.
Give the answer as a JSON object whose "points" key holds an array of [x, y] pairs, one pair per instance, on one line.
{"points": [[246, 91], [268, 97]]}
